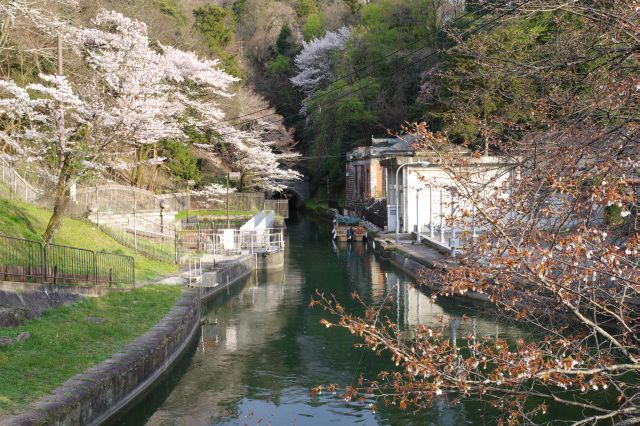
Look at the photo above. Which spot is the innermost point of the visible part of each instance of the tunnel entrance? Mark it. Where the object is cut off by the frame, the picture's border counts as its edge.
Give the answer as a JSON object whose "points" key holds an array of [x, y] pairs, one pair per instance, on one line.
{"points": [[294, 201]]}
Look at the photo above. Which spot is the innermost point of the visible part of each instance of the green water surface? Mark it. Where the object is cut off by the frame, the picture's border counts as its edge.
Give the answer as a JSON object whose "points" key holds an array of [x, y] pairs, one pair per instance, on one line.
{"points": [[264, 348]]}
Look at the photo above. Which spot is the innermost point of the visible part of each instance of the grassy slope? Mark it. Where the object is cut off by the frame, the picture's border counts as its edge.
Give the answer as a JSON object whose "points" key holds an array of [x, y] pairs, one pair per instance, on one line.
{"points": [[25, 221], [64, 343]]}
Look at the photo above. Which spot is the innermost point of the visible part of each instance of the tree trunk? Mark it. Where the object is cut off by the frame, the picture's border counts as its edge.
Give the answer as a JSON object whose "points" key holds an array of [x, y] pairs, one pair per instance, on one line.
{"points": [[142, 153], [60, 203]]}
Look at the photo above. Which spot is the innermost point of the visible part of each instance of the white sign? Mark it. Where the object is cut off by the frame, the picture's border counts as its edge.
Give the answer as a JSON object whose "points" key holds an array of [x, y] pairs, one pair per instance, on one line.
{"points": [[391, 217], [228, 240], [234, 175]]}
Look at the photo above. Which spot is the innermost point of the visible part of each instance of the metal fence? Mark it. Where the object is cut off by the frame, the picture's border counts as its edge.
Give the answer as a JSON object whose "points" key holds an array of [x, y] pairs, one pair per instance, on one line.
{"points": [[68, 265], [115, 268], [115, 198], [230, 241], [280, 207], [112, 198], [245, 201], [163, 249], [21, 260], [376, 213], [20, 188], [31, 261]]}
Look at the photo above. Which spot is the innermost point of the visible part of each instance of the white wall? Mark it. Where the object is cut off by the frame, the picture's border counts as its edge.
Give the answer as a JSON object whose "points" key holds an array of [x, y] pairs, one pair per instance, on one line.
{"points": [[427, 206]]}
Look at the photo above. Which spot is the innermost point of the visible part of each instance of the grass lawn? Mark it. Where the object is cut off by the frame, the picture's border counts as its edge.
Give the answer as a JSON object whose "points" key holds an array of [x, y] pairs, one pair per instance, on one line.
{"points": [[63, 343], [313, 204], [26, 221]]}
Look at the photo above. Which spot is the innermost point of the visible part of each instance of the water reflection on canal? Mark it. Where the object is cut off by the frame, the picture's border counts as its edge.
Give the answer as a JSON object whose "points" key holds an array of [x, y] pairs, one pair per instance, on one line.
{"points": [[264, 348]]}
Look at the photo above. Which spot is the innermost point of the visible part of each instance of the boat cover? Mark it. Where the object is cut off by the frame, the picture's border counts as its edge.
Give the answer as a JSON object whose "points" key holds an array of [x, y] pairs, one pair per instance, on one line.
{"points": [[348, 220]]}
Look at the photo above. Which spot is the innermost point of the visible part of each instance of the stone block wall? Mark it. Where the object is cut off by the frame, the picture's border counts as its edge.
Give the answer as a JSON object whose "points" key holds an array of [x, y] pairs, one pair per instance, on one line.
{"points": [[98, 394]]}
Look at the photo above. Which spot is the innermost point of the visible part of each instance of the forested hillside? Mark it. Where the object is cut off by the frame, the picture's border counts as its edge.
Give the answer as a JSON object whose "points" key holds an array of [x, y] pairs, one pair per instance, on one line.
{"points": [[341, 71], [202, 152], [326, 75]]}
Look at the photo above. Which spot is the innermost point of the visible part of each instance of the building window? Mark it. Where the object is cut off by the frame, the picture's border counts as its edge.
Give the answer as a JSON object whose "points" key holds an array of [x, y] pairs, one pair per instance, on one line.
{"points": [[367, 182], [359, 180]]}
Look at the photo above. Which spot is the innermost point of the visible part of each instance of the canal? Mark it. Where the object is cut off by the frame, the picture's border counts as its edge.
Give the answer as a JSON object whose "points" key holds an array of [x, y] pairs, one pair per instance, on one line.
{"points": [[263, 348]]}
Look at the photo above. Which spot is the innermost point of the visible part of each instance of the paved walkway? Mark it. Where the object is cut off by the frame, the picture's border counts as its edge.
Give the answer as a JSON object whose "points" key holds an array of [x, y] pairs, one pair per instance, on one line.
{"points": [[182, 276], [421, 253]]}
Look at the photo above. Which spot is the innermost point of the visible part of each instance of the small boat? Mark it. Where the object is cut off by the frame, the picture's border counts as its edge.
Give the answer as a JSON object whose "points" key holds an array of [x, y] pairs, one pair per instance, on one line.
{"points": [[348, 229]]}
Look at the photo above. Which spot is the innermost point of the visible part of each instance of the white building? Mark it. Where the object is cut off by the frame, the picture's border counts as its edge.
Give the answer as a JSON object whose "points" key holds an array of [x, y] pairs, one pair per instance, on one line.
{"points": [[424, 196]]}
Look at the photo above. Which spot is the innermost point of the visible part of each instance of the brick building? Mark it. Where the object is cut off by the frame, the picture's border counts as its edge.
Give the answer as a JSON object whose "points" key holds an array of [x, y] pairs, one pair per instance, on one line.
{"points": [[365, 177]]}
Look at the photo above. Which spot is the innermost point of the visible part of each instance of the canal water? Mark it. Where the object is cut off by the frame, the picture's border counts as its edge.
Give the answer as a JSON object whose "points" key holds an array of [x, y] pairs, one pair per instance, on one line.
{"points": [[264, 348]]}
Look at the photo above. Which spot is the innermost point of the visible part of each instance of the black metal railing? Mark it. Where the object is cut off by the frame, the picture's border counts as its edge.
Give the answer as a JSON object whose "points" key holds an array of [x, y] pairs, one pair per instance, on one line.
{"points": [[68, 265], [162, 249], [21, 260], [115, 268], [376, 213], [31, 261]]}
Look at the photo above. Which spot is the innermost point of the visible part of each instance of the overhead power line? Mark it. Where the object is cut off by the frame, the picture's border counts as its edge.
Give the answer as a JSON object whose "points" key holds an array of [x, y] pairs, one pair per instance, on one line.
{"points": [[427, 37], [371, 83], [349, 93]]}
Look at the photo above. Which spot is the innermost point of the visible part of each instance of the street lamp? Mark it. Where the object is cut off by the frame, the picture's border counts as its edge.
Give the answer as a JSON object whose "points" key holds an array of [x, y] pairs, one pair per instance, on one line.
{"points": [[420, 163]]}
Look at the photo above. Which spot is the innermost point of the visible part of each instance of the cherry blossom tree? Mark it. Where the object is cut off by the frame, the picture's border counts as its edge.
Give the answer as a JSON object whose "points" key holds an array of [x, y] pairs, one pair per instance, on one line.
{"points": [[558, 244], [256, 144], [213, 193], [154, 86], [134, 96], [49, 125], [314, 61], [260, 161]]}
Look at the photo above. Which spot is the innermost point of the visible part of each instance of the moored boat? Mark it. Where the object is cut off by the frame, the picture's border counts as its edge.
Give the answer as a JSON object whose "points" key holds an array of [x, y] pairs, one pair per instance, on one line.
{"points": [[348, 229]]}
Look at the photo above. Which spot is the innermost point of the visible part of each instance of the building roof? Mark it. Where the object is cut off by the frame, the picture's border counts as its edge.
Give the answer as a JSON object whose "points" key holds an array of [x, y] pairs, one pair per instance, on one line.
{"points": [[383, 147]]}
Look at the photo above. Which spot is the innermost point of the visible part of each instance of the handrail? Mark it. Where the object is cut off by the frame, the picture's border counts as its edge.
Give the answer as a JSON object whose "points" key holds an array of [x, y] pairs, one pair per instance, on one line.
{"points": [[9, 175], [232, 241], [32, 261]]}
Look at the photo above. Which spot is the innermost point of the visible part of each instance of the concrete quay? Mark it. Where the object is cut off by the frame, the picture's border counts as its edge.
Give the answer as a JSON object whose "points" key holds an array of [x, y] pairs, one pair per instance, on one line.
{"points": [[411, 257]]}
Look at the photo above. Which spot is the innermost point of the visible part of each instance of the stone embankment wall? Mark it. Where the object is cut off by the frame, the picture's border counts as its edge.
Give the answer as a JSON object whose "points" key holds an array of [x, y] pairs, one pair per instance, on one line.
{"points": [[22, 301], [102, 391], [108, 389], [412, 265]]}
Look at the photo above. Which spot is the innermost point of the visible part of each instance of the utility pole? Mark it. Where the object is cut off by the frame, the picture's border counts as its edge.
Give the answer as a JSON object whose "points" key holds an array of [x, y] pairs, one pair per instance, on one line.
{"points": [[228, 222]]}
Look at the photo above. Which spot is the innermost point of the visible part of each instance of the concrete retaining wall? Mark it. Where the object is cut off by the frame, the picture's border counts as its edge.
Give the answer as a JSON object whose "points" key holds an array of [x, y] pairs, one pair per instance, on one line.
{"points": [[227, 274], [108, 389], [98, 394], [411, 266], [21, 301], [19, 306], [79, 290], [270, 261]]}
